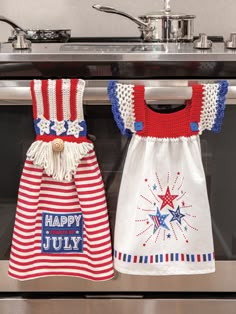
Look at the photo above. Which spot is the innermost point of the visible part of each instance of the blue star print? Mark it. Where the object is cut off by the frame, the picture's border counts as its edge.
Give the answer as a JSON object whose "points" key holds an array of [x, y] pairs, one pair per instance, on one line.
{"points": [[159, 220], [154, 187], [176, 215]]}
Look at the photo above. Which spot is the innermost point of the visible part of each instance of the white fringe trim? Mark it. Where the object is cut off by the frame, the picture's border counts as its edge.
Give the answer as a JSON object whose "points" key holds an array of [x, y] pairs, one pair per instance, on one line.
{"points": [[59, 165]]}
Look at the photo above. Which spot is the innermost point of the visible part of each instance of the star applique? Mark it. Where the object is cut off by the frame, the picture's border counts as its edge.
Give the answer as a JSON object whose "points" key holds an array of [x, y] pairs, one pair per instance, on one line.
{"points": [[167, 199], [176, 215], [74, 128], [159, 220], [59, 127], [44, 126]]}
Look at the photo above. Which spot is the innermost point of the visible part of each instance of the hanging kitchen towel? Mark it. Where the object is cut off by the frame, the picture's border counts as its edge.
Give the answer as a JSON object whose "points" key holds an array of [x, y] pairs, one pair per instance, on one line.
{"points": [[163, 222], [61, 225]]}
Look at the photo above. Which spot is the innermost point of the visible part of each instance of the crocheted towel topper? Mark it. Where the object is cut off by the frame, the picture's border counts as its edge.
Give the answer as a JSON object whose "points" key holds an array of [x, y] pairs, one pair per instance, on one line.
{"points": [[61, 225], [59, 126]]}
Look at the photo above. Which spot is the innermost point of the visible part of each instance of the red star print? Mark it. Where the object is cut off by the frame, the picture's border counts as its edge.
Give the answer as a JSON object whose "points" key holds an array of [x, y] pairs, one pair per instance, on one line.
{"points": [[167, 199]]}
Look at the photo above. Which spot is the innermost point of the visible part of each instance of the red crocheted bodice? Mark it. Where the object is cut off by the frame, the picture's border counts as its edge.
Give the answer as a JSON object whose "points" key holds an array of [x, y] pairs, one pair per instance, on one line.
{"points": [[172, 125]]}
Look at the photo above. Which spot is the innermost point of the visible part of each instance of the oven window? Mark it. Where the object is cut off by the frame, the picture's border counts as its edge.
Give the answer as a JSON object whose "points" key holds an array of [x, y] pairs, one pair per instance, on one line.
{"points": [[16, 134], [218, 153]]}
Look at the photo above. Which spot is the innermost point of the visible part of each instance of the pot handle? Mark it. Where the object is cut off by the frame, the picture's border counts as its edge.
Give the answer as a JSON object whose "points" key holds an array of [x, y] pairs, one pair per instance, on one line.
{"points": [[167, 6], [13, 24], [112, 10]]}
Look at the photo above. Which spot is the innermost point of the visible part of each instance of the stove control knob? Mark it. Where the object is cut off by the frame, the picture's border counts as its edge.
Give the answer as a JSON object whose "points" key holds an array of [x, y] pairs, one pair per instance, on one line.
{"points": [[21, 42], [231, 43], [202, 42]]}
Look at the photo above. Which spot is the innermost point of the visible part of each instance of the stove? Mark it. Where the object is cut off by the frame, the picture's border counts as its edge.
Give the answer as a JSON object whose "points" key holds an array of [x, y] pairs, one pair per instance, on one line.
{"points": [[105, 58], [165, 69]]}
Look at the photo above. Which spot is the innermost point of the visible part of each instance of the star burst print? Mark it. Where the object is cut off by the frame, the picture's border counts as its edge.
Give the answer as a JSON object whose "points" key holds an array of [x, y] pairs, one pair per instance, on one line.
{"points": [[167, 199], [159, 221], [176, 215], [164, 211]]}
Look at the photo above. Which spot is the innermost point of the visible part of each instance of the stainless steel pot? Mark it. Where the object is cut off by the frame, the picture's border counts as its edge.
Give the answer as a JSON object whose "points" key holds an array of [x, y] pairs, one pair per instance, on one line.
{"points": [[39, 35], [161, 26]]}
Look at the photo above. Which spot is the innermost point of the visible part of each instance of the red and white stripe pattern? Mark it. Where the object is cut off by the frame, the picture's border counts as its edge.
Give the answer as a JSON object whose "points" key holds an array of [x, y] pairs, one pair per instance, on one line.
{"points": [[40, 193], [58, 99]]}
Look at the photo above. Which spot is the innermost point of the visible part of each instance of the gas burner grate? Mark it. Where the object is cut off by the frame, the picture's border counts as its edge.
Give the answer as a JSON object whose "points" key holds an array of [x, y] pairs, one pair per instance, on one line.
{"points": [[106, 39], [216, 39]]}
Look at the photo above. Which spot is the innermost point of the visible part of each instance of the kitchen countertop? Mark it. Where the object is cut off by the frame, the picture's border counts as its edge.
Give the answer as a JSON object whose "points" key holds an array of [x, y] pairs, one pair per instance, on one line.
{"points": [[116, 52]]}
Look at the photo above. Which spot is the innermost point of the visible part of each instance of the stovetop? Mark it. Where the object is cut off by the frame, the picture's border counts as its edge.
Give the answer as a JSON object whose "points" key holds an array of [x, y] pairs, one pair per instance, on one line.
{"points": [[102, 45], [115, 52], [128, 58], [112, 39]]}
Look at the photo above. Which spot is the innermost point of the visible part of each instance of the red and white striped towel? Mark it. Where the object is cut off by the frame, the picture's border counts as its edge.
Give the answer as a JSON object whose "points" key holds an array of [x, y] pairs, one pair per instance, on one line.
{"points": [[61, 226]]}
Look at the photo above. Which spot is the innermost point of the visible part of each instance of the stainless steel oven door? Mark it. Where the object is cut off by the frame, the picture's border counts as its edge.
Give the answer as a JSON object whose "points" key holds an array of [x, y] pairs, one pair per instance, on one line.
{"points": [[218, 153], [116, 306]]}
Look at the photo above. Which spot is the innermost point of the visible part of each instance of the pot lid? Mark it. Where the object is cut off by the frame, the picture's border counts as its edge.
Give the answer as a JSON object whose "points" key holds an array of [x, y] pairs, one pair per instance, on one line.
{"points": [[166, 14]]}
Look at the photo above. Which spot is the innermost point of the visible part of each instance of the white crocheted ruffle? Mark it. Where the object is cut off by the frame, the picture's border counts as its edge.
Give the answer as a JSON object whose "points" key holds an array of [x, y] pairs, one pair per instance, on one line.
{"points": [[125, 96], [209, 107]]}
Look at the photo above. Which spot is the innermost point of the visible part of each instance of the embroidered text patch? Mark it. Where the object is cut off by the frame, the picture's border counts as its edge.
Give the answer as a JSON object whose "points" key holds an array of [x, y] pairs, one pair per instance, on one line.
{"points": [[62, 233]]}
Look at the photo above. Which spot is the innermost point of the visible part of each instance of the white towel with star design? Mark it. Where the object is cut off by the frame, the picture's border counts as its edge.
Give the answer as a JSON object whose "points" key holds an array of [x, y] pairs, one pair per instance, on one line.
{"points": [[163, 223]]}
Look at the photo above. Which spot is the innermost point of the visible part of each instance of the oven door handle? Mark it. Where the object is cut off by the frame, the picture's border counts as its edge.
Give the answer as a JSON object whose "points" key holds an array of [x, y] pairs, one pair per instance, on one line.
{"points": [[96, 91]]}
